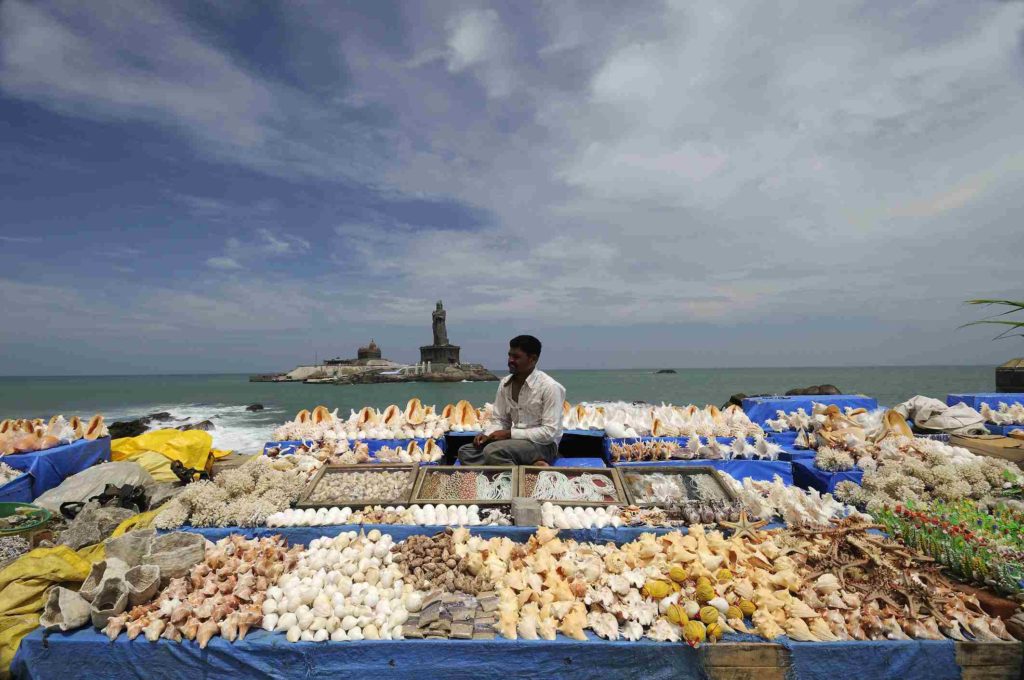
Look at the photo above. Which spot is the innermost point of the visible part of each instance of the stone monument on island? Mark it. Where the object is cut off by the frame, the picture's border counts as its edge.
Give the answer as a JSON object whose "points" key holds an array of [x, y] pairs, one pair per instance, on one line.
{"points": [[442, 353]]}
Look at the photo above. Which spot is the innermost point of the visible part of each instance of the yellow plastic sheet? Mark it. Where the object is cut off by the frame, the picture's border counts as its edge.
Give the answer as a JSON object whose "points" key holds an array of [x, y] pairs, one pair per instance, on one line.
{"points": [[192, 447], [24, 582]]}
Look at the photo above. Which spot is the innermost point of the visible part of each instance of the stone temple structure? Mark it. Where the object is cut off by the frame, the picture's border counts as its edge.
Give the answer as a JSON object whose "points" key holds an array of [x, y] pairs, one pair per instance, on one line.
{"points": [[441, 353]]}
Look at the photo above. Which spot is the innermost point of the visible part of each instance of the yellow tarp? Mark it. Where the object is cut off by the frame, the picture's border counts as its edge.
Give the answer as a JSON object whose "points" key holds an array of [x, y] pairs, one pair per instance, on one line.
{"points": [[24, 582], [155, 450]]}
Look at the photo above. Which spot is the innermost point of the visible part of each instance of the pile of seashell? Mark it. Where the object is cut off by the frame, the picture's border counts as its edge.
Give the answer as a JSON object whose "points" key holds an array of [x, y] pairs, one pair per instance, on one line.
{"points": [[411, 453], [366, 485], [342, 588], [1005, 414], [558, 517], [432, 562], [222, 595], [24, 436], [652, 449], [630, 420], [795, 506], [416, 421], [245, 496], [427, 515]]}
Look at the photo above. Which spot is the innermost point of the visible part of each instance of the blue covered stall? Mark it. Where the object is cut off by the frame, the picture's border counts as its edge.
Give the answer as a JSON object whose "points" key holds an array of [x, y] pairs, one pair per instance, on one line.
{"points": [[760, 409], [88, 653], [976, 399], [807, 476], [51, 467]]}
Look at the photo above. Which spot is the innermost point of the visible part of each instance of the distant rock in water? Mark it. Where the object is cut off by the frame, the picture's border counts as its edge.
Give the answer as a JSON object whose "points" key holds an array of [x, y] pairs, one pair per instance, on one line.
{"points": [[665, 371], [814, 390], [204, 425], [254, 407]]}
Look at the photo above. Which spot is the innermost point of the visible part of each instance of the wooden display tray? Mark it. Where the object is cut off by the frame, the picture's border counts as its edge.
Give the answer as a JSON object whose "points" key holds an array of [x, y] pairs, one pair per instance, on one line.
{"points": [[416, 498], [611, 473], [670, 470], [771, 661], [411, 468], [992, 445]]}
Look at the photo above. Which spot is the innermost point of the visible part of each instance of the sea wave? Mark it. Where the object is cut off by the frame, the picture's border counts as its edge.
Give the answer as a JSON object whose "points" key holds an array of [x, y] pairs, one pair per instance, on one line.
{"points": [[234, 427]]}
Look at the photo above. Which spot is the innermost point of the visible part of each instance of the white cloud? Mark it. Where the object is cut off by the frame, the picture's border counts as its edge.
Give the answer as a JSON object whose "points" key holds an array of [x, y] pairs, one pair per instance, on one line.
{"points": [[225, 263]]}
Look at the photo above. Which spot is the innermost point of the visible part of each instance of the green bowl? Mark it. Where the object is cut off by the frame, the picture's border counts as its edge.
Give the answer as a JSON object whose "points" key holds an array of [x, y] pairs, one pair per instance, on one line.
{"points": [[35, 518]]}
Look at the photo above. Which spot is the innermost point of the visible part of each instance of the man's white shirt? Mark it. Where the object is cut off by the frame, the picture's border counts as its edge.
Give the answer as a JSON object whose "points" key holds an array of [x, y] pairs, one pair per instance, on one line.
{"points": [[537, 416]]}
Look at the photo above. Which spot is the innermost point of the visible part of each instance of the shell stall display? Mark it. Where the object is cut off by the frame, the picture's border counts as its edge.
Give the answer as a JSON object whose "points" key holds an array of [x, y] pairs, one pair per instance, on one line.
{"points": [[466, 484], [338, 486], [621, 420], [795, 506], [570, 485], [430, 452], [1004, 414], [559, 517], [24, 436]]}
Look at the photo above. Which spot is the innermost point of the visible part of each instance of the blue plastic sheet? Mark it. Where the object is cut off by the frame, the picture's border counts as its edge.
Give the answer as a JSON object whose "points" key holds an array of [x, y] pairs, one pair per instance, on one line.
{"points": [[975, 399], [758, 470], [807, 476], [580, 462], [760, 409], [903, 659], [268, 655], [18, 490], [1002, 429], [51, 467], [400, 532]]}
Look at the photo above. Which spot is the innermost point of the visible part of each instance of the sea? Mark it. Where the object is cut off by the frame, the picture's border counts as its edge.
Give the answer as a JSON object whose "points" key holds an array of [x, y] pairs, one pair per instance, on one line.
{"points": [[222, 399]]}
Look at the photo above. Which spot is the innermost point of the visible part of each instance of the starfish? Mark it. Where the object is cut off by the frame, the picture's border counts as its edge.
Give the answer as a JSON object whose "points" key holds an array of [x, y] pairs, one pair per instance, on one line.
{"points": [[744, 528]]}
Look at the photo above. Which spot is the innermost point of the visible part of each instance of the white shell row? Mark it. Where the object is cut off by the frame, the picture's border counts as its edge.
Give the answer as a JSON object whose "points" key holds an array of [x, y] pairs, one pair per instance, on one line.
{"points": [[427, 515], [557, 517]]}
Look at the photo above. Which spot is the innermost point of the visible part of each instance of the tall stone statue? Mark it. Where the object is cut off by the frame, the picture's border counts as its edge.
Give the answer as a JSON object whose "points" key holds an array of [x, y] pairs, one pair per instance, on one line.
{"points": [[440, 329]]}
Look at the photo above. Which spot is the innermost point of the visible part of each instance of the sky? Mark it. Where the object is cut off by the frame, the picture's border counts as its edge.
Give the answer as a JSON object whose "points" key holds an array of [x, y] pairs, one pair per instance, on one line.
{"points": [[223, 186]]}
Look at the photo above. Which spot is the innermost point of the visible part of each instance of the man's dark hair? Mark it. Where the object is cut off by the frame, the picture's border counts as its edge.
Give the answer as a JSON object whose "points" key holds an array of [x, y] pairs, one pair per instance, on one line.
{"points": [[527, 343]]}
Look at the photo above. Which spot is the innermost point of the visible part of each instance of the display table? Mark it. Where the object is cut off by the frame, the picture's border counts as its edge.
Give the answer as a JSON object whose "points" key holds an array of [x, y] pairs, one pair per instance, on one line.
{"points": [[51, 467], [760, 409], [89, 654], [373, 445], [976, 399], [758, 470], [807, 476]]}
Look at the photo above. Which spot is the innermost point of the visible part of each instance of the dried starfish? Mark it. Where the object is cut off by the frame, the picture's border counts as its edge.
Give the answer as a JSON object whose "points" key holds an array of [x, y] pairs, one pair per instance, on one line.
{"points": [[744, 528]]}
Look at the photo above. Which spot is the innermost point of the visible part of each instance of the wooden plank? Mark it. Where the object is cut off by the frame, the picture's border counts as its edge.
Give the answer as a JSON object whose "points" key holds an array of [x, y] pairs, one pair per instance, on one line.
{"points": [[750, 673], [744, 654], [990, 673], [974, 654]]}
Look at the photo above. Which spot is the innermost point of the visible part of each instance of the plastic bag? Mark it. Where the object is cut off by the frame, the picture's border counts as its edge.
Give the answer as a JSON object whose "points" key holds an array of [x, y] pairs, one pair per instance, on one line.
{"points": [[192, 447], [91, 482]]}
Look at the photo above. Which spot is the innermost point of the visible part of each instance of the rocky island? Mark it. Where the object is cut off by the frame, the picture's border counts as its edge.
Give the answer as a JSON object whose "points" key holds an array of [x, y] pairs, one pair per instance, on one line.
{"points": [[439, 362]]}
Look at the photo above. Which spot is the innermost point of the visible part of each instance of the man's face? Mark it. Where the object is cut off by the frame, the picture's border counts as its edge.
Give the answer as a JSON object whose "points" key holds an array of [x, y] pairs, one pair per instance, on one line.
{"points": [[519, 361]]}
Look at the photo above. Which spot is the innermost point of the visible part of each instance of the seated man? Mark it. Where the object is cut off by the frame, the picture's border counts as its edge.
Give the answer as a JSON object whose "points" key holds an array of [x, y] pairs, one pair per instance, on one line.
{"points": [[526, 424]]}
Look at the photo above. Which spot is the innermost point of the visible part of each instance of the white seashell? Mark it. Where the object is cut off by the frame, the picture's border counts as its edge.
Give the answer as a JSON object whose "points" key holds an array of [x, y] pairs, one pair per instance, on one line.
{"points": [[371, 633], [321, 635], [305, 619], [413, 602], [339, 635], [372, 598], [269, 622], [287, 622], [348, 623], [307, 636], [333, 624], [293, 634], [322, 605], [355, 634], [269, 606], [275, 593]]}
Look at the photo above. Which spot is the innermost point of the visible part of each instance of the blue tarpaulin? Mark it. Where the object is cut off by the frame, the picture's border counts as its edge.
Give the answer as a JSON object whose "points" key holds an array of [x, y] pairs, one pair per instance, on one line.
{"points": [[807, 476], [580, 462], [1002, 429], [88, 653], [975, 399], [51, 467], [759, 470], [18, 490], [760, 409]]}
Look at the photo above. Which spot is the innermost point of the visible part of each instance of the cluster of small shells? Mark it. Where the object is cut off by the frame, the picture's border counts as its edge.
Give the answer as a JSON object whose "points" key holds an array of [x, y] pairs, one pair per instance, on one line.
{"points": [[360, 486], [222, 595], [1004, 414], [430, 452], [416, 421], [793, 505], [620, 420], [429, 515], [558, 517], [244, 496], [342, 588], [431, 562]]}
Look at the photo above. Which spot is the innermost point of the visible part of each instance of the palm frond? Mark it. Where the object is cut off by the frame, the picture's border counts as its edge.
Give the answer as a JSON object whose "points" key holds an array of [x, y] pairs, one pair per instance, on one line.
{"points": [[1014, 305]]}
